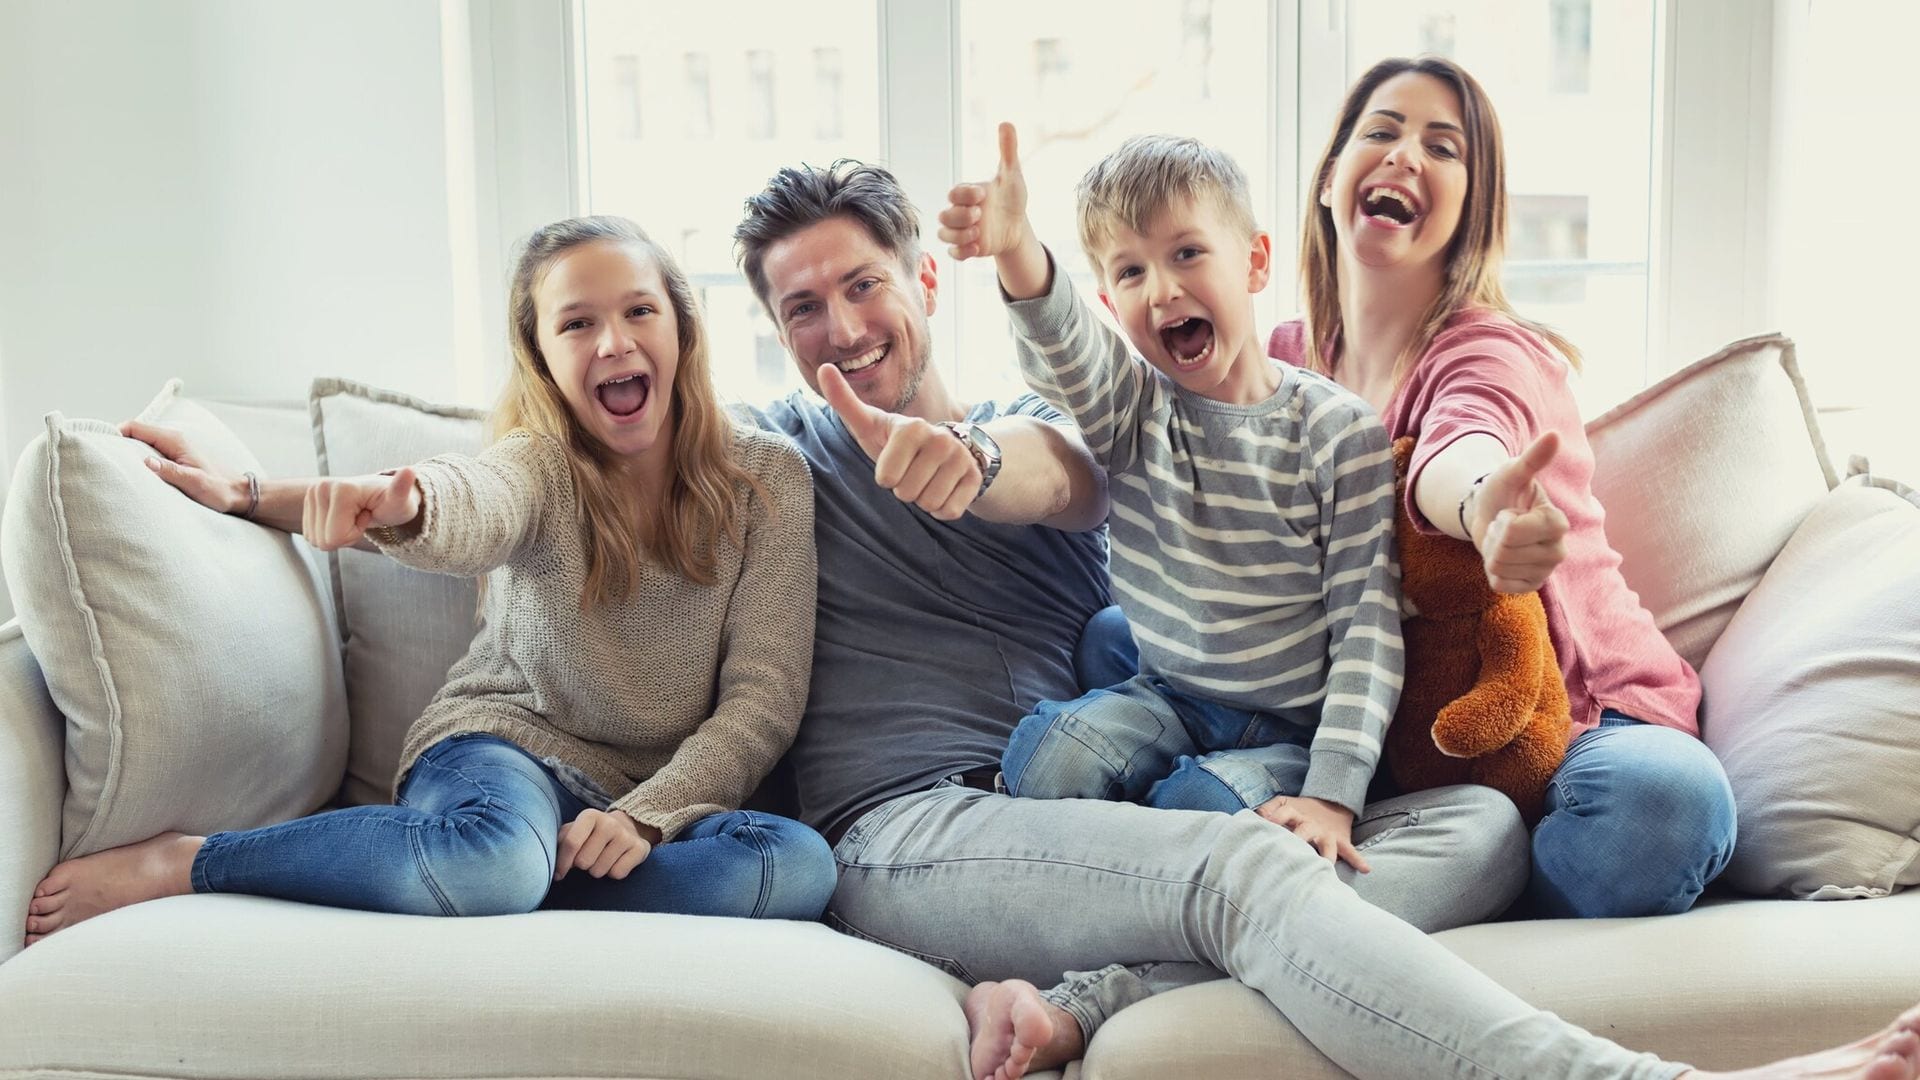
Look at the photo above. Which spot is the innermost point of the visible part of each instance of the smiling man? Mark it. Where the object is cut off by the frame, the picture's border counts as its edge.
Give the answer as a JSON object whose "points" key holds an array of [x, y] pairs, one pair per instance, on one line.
{"points": [[960, 556]]}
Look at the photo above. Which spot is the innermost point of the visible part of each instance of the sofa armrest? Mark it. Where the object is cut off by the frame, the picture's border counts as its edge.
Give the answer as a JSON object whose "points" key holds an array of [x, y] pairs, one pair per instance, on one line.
{"points": [[33, 783]]}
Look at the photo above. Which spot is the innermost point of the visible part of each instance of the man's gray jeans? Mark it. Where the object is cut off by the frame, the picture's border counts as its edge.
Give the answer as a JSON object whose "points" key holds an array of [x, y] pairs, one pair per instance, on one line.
{"points": [[1139, 900]]}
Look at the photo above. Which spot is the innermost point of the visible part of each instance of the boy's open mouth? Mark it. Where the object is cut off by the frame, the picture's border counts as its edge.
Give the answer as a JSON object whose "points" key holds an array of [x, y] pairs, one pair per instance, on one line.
{"points": [[1189, 341], [626, 395], [1391, 206]]}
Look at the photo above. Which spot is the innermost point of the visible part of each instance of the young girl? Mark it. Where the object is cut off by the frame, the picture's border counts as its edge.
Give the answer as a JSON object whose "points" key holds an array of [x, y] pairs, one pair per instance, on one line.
{"points": [[644, 658]]}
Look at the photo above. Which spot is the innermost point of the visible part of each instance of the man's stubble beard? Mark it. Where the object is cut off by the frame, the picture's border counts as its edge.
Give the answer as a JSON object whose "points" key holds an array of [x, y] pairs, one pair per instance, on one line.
{"points": [[922, 357]]}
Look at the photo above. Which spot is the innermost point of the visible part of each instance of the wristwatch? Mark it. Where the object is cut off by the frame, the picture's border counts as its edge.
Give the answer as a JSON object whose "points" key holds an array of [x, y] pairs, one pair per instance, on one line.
{"points": [[986, 452]]}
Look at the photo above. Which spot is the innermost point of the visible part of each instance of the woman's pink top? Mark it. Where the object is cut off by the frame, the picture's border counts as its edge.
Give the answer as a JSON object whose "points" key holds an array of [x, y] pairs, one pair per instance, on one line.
{"points": [[1486, 374]]}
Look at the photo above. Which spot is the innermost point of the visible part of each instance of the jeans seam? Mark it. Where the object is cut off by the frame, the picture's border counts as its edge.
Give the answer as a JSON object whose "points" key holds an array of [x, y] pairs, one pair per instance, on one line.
{"points": [[1294, 965], [426, 875], [487, 804], [1232, 788], [754, 833], [1072, 1005], [1057, 727], [840, 924], [197, 872]]}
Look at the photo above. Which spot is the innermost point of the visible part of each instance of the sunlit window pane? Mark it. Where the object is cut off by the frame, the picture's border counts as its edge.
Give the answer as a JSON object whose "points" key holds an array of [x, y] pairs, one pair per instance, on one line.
{"points": [[1572, 82], [690, 108], [1077, 79]]}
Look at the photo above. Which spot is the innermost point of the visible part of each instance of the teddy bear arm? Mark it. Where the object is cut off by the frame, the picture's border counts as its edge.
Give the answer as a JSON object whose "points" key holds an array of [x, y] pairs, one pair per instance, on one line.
{"points": [[1503, 695]]}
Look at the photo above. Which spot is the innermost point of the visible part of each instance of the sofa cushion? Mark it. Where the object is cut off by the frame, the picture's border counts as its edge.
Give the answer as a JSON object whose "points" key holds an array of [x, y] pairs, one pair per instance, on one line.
{"points": [[401, 628], [1704, 475], [231, 986], [1723, 986], [1813, 703], [188, 650]]}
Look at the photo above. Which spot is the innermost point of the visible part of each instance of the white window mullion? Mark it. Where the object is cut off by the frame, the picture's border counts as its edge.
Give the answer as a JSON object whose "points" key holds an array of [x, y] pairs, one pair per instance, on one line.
{"points": [[919, 121], [1322, 53], [1714, 179], [526, 116], [1306, 66]]}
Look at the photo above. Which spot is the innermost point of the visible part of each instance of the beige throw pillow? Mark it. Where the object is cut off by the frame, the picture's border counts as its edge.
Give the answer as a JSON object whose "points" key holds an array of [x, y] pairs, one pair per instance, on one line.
{"points": [[1704, 475], [402, 628], [1813, 704], [188, 650]]}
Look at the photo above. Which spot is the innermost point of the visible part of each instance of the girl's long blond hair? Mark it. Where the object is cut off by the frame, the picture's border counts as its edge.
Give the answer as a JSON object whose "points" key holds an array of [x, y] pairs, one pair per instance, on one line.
{"points": [[1479, 241], [700, 504]]}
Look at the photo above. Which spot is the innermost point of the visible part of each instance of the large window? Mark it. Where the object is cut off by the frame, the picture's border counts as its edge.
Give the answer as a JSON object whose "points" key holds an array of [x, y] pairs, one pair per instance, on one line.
{"points": [[1076, 82], [688, 110], [1573, 84]]}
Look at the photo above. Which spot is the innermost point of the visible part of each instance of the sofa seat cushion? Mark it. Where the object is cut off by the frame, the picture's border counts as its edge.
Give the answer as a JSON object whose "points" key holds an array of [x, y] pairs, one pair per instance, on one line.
{"points": [[1728, 984], [229, 986]]}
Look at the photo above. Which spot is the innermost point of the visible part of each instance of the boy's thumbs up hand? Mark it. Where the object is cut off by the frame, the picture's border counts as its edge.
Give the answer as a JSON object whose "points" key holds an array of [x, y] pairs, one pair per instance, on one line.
{"points": [[989, 218], [1522, 535]]}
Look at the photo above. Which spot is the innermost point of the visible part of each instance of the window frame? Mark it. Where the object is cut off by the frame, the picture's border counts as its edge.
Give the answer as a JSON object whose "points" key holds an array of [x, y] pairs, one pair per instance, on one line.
{"points": [[1707, 266]]}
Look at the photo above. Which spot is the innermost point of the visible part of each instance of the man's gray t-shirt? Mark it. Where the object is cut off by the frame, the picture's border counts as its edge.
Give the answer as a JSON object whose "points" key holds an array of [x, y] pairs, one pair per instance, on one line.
{"points": [[933, 637]]}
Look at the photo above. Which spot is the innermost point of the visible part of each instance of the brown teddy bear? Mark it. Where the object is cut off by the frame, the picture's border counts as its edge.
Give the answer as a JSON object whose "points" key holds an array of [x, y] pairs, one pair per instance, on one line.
{"points": [[1483, 700]]}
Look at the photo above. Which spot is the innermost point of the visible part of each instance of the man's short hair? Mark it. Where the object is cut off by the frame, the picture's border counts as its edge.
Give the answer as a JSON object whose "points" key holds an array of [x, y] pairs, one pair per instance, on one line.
{"points": [[1144, 176], [798, 198]]}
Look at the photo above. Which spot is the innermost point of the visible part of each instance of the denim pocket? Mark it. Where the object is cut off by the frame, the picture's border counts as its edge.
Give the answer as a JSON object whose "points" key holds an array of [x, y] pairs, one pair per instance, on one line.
{"points": [[947, 964], [854, 841]]}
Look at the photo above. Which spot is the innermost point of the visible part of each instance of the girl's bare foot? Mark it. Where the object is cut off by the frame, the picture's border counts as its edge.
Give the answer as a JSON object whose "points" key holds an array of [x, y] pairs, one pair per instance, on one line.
{"points": [[1892, 1053], [1014, 1029], [79, 889]]}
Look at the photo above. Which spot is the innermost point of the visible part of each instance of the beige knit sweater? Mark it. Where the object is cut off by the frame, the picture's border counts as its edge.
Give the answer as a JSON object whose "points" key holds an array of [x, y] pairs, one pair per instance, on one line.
{"points": [[678, 699]]}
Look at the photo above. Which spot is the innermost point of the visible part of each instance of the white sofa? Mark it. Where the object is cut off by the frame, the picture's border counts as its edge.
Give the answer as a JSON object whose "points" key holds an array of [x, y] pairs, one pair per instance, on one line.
{"points": [[1706, 478]]}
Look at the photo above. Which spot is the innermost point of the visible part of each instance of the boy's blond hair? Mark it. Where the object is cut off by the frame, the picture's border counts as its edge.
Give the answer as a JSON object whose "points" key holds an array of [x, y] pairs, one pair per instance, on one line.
{"points": [[1128, 187]]}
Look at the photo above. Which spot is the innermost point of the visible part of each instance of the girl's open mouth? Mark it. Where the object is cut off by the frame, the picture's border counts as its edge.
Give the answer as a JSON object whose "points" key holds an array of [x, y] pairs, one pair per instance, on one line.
{"points": [[626, 396]]}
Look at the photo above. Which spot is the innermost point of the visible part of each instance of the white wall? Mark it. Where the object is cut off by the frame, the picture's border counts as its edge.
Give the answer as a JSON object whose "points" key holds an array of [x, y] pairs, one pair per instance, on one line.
{"points": [[241, 194], [1842, 277]]}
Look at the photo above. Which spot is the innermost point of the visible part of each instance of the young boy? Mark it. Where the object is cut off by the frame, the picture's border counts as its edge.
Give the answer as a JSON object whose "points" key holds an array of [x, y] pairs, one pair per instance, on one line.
{"points": [[1252, 505]]}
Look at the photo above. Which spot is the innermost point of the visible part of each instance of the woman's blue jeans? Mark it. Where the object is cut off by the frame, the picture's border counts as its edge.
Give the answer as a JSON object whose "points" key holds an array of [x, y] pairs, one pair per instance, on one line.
{"points": [[1640, 818], [475, 832]]}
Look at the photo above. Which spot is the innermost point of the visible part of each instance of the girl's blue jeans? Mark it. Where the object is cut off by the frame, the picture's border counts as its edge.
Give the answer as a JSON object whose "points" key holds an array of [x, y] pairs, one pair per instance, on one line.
{"points": [[475, 832]]}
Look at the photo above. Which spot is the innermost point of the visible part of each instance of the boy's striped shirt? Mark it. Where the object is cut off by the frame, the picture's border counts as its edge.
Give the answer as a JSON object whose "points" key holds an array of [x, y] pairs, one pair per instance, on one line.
{"points": [[1252, 546]]}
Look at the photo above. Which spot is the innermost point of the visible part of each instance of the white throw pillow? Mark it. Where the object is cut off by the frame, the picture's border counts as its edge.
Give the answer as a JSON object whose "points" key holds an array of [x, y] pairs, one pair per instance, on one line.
{"points": [[188, 650], [402, 628], [1704, 475], [1813, 704]]}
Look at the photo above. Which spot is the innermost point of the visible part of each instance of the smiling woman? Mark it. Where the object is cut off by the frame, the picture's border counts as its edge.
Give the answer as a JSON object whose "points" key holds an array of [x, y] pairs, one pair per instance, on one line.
{"points": [[1411, 314]]}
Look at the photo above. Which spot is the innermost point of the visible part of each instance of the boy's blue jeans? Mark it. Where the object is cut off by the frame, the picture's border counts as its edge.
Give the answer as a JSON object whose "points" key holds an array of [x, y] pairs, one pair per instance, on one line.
{"points": [[475, 832], [1143, 741], [1639, 817]]}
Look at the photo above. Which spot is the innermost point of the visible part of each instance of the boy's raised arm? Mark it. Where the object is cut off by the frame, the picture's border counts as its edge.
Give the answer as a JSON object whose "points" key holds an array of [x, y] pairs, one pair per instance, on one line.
{"points": [[990, 219]]}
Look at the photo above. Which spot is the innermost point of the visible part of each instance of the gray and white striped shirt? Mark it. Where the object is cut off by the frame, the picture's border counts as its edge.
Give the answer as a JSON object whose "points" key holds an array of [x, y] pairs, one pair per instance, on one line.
{"points": [[1252, 545]]}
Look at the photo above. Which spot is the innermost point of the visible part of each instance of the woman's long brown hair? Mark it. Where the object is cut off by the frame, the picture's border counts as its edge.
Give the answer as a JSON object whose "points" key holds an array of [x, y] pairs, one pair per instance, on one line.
{"points": [[1479, 241]]}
